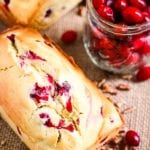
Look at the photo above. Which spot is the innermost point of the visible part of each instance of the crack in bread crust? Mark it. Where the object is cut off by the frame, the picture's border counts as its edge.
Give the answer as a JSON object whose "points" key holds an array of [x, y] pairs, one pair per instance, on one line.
{"points": [[6, 68]]}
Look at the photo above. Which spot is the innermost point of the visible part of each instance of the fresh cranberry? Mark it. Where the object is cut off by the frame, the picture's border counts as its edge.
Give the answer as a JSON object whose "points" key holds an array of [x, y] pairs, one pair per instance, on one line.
{"points": [[132, 138], [106, 43], [110, 3], [120, 55], [30, 55], [6, 4], [11, 38], [147, 9], [69, 36], [62, 89], [96, 33], [141, 44], [57, 89], [120, 4], [70, 127], [69, 105], [49, 123], [143, 73], [50, 78], [110, 54], [78, 121], [138, 3], [66, 86], [106, 13], [146, 16], [61, 125], [33, 56], [146, 48], [7, 1], [40, 93], [124, 51], [138, 42], [106, 49], [48, 13], [132, 15], [116, 61], [97, 3], [44, 115], [134, 58], [94, 43]]}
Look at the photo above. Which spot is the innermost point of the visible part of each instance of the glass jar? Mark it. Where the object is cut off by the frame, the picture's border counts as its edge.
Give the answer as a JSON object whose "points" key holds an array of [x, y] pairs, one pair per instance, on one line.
{"points": [[116, 48]]}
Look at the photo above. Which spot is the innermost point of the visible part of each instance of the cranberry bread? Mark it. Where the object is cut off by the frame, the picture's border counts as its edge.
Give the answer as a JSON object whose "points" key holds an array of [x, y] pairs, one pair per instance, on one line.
{"points": [[46, 98], [36, 13]]}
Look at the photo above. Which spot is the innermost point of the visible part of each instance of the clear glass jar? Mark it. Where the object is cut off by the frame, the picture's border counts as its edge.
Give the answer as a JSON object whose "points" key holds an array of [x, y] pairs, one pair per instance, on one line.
{"points": [[116, 48]]}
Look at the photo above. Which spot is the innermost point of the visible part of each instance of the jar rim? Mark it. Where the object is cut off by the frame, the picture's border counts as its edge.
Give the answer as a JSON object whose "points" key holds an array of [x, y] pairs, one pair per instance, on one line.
{"points": [[138, 27]]}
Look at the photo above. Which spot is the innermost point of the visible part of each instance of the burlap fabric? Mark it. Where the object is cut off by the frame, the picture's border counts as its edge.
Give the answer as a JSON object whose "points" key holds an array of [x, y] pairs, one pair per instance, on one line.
{"points": [[138, 96]]}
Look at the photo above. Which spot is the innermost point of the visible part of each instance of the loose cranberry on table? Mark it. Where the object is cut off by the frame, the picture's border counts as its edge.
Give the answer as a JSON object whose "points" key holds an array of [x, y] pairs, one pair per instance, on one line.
{"points": [[132, 138], [143, 73], [69, 36]]}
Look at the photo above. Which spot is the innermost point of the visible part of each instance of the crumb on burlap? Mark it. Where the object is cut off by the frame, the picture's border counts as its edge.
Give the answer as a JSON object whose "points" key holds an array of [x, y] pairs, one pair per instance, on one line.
{"points": [[127, 77], [81, 11], [123, 87], [105, 87], [3, 142], [128, 110], [82, 3], [101, 83], [118, 143]]}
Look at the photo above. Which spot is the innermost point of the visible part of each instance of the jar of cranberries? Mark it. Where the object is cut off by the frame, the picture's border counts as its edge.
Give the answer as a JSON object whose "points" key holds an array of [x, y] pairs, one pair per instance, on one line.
{"points": [[117, 34]]}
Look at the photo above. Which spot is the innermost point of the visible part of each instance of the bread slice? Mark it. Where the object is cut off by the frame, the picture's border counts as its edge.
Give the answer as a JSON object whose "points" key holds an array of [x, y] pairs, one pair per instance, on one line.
{"points": [[46, 98], [36, 13]]}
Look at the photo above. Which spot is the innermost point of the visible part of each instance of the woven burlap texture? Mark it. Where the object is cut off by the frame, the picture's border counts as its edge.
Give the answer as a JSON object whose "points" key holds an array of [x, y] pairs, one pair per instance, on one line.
{"points": [[138, 96]]}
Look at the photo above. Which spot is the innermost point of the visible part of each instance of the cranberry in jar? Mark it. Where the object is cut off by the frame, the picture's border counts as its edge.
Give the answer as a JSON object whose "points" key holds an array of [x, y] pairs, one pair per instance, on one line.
{"points": [[117, 34]]}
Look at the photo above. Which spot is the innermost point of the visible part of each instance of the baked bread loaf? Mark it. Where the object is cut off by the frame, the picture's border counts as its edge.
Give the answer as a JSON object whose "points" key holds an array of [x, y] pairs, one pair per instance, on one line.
{"points": [[46, 98], [36, 13]]}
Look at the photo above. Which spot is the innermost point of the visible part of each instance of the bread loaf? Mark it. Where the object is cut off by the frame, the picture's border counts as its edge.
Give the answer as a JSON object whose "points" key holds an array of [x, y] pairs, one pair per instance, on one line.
{"points": [[36, 13], [46, 98]]}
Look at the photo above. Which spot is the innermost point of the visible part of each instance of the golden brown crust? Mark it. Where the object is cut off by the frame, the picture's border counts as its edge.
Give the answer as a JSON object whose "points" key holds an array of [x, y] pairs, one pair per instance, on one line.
{"points": [[98, 119], [34, 12]]}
